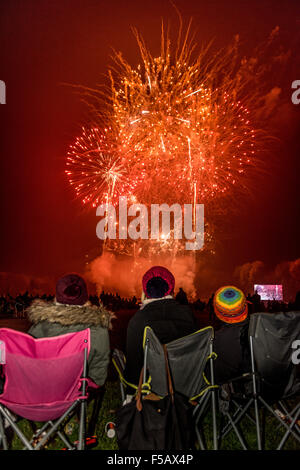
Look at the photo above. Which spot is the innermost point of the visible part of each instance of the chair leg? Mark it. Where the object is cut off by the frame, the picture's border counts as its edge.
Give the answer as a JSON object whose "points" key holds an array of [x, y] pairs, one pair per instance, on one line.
{"points": [[83, 407], [3, 438], [246, 414], [263, 430], [63, 438], [198, 414], [255, 394], [213, 398], [283, 423], [55, 426], [238, 415], [122, 390], [36, 433], [98, 400], [290, 414], [82, 426], [258, 433], [288, 432], [200, 437], [214, 417], [238, 434], [15, 428]]}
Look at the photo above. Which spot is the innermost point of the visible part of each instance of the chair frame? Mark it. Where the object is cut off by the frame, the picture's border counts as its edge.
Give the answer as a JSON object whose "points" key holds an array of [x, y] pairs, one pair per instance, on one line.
{"points": [[208, 395], [54, 426], [119, 361], [254, 401], [259, 402]]}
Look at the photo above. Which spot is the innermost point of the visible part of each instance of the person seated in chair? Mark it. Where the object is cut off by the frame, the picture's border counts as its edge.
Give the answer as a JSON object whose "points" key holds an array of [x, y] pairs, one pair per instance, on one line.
{"points": [[159, 310], [70, 312], [231, 342]]}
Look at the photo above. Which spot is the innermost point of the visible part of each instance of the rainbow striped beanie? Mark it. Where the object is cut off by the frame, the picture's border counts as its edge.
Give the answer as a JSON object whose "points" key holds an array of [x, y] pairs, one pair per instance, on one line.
{"points": [[230, 304]]}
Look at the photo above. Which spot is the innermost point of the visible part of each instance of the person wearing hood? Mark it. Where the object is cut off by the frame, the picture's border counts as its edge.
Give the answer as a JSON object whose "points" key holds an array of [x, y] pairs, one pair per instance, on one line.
{"points": [[159, 310], [70, 312]]}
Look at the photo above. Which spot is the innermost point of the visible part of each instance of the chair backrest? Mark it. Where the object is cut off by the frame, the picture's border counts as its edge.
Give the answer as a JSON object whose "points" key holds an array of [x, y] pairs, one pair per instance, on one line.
{"points": [[119, 361], [272, 337], [187, 359], [42, 376]]}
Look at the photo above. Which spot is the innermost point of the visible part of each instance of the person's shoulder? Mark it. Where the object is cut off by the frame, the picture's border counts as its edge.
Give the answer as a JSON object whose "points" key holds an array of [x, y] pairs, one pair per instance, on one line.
{"points": [[99, 329], [136, 317], [184, 308], [157, 306], [99, 337]]}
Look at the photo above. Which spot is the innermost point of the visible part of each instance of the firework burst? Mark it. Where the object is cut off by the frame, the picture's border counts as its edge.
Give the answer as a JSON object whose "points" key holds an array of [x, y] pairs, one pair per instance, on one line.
{"points": [[181, 122], [180, 127], [97, 170]]}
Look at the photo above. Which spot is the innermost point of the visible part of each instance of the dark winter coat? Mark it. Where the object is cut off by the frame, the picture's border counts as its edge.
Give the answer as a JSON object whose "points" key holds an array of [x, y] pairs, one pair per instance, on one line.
{"points": [[231, 345], [169, 321], [54, 319]]}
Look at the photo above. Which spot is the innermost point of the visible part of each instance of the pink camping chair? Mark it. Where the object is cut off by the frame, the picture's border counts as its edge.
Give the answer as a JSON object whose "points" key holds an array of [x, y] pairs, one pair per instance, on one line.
{"points": [[44, 380]]}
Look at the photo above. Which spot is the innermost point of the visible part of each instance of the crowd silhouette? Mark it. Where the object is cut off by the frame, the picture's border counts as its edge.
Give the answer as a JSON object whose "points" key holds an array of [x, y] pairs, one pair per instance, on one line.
{"points": [[16, 306]]}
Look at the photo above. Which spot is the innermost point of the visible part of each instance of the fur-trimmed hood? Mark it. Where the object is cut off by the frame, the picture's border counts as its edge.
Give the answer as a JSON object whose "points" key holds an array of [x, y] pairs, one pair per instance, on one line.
{"points": [[68, 315]]}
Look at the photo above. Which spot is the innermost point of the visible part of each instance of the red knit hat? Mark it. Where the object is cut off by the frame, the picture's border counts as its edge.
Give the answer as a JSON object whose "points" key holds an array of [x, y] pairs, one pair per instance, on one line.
{"points": [[71, 289], [159, 272]]}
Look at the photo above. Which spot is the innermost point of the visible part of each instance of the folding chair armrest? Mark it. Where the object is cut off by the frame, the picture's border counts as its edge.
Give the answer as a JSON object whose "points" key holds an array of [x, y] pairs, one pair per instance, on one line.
{"points": [[92, 385], [120, 372]]}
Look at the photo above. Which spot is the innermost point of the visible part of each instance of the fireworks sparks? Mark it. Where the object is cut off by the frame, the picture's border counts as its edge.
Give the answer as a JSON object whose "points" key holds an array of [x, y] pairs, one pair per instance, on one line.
{"points": [[97, 170], [178, 130]]}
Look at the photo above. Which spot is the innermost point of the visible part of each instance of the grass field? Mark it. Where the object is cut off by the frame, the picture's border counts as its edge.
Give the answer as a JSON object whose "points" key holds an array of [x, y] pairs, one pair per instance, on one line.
{"points": [[112, 401]]}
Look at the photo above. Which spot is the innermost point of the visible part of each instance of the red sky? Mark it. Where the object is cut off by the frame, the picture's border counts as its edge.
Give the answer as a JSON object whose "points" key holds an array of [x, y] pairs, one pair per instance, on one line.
{"points": [[45, 43]]}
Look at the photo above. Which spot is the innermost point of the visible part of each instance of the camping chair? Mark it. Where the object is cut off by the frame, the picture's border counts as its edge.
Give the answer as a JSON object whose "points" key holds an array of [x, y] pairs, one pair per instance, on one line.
{"points": [[273, 377], [187, 358], [45, 380]]}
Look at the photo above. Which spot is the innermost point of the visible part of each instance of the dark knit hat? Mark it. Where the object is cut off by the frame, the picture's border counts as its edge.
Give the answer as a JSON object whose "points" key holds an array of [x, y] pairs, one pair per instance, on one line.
{"points": [[230, 304], [158, 282], [71, 289]]}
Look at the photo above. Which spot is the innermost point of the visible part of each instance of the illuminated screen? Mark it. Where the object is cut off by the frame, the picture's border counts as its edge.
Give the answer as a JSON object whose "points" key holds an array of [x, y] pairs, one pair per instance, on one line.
{"points": [[269, 291]]}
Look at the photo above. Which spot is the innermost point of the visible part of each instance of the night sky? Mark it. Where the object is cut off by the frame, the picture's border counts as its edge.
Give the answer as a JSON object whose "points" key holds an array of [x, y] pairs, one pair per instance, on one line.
{"points": [[46, 44]]}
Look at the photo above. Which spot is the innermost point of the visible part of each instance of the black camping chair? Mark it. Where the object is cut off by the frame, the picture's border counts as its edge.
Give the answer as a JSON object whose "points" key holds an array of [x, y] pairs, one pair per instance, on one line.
{"points": [[272, 382], [187, 358]]}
